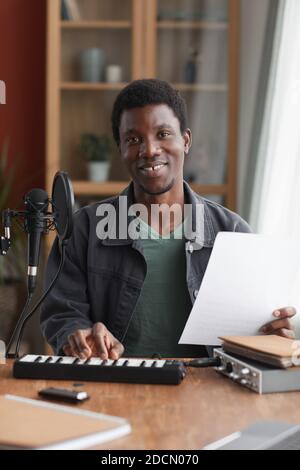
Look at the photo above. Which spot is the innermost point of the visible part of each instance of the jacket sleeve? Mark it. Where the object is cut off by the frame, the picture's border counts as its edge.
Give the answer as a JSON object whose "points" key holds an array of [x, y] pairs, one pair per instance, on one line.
{"points": [[67, 308], [241, 225]]}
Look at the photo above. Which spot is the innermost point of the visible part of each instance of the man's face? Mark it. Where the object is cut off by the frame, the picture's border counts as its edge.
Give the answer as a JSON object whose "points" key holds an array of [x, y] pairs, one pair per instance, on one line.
{"points": [[153, 147]]}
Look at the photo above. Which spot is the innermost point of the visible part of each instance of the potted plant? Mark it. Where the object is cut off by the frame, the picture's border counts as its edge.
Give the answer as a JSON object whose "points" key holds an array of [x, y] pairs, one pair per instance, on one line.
{"points": [[12, 265], [96, 150]]}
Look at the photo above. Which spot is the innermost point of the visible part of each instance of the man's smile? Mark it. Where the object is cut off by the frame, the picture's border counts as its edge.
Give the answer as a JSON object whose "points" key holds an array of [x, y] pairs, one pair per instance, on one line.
{"points": [[152, 169]]}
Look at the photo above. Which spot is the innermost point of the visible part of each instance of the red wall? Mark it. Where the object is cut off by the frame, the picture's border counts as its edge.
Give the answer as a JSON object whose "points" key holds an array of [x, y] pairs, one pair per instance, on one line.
{"points": [[22, 67]]}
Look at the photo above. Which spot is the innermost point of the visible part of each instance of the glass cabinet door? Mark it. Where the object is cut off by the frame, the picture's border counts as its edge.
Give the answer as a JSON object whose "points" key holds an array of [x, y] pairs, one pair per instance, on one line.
{"points": [[191, 50], [99, 51]]}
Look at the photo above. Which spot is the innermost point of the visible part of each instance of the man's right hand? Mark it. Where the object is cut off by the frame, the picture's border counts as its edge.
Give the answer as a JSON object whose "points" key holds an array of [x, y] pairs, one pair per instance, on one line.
{"points": [[96, 341]]}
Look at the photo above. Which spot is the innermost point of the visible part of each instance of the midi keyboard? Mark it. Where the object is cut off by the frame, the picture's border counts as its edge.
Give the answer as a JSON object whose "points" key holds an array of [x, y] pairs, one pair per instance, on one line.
{"points": [[142, 371]]}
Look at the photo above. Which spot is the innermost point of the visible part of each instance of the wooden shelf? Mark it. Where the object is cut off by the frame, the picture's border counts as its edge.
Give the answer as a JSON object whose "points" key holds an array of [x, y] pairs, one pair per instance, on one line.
{"points": [[208, 87], [94, 188], [212, 189], [95, 24], [207, 25], [91, 86], [215, 87], [112, 188]]}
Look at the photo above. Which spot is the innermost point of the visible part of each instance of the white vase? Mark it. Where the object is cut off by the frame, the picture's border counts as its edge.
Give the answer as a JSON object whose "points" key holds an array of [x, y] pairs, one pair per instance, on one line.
{"points": [[98, 171]]}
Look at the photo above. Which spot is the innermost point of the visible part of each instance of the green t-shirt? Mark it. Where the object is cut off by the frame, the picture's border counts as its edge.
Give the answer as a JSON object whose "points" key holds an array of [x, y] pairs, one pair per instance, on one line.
{"points": [[164, 304]]}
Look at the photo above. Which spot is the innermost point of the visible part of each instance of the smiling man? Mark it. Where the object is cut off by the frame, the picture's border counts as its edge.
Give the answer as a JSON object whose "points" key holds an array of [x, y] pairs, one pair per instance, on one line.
{"points": [[133, 294]]}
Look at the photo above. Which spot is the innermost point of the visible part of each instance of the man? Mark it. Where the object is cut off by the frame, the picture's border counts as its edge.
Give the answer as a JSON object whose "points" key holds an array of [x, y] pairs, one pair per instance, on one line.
{"points": [[133, 295]]}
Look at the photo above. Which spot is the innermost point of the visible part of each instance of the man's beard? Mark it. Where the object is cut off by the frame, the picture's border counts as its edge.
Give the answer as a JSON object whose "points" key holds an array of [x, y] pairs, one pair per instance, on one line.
{"points": [[161, 191]]}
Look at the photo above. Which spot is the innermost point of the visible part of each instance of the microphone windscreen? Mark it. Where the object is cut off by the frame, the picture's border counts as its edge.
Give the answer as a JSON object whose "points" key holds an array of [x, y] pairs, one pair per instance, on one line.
{"points": [[63, 203], [36, 200]]}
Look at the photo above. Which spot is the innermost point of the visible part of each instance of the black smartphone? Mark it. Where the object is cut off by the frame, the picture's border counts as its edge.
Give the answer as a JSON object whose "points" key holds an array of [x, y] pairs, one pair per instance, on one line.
{"points": [[73, 396]]}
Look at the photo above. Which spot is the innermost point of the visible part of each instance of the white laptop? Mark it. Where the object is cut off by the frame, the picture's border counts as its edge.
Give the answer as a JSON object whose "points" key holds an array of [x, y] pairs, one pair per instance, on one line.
{"points": [[263, 435]]}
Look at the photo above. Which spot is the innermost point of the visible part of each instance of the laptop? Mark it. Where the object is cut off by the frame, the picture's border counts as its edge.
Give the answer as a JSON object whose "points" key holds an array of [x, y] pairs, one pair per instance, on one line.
{"points": [[263, 435]]}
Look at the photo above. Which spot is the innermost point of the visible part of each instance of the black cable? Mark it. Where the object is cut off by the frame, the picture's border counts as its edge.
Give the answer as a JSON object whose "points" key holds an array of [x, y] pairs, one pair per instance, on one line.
{"points": [[204, 362], [29, 297], [62, 260]]}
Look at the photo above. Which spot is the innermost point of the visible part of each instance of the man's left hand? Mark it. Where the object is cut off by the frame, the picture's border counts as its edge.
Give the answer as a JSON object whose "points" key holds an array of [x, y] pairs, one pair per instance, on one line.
{"points": [[282, 326]]}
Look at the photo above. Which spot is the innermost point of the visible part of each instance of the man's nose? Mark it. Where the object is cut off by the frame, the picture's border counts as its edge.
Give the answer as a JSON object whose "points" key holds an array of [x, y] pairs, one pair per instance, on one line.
{"points": [[150, 148]]}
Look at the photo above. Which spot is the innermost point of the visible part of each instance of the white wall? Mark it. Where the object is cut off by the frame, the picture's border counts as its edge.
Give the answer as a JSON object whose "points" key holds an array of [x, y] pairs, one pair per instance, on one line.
{"points": [[253, 23]]}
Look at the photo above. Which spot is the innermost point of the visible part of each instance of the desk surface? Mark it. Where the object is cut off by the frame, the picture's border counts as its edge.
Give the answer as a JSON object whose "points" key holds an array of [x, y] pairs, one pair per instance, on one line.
{"points": [[203, 408]]}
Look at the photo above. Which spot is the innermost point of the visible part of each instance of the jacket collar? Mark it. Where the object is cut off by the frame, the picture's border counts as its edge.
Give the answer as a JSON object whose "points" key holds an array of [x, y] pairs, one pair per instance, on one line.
{"points": [[203, 232]]}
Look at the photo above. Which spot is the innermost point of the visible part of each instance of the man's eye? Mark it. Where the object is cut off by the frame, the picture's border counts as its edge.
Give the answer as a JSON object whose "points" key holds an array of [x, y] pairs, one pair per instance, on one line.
{"points": [[132, 140], [164, 134]]}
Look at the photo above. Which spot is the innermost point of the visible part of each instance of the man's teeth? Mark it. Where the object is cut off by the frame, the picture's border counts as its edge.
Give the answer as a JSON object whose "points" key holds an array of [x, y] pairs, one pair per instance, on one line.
{"points": [[152, 168]]}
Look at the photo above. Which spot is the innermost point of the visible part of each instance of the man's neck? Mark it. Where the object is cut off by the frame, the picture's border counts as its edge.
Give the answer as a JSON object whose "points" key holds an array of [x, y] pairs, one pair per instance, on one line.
{"points": [[175, 196]]}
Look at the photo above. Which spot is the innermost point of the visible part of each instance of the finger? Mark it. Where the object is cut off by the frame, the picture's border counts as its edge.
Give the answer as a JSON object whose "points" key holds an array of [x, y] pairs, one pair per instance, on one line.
{"points": [[285, 333], [91, 342], [67, 350], [107, 341], [285, 312], [117, 349], [74, 351], [81, 343], [269, 328], [99, 333]]}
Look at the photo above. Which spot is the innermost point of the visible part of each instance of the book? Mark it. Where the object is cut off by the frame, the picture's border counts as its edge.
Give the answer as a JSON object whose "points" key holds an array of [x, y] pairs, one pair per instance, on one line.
{"points": [[271, 349], [73, 9], [36, 424], [65, 15]]}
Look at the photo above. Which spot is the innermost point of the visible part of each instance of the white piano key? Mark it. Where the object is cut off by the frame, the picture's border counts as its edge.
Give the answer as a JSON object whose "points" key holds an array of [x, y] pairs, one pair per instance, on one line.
{"points": [[121, 361], [108, 362], [134, 362], [29, 358], [81, 362], [54, 359], [95, 361], [67, 360], [148, 362], [160, 363]]}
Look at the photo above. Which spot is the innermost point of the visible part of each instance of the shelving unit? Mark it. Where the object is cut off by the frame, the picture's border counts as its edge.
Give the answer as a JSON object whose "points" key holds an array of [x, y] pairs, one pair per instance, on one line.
{"points": [[91, 86], [89, 188], [132, 34], [95, 24], [212, 26]]}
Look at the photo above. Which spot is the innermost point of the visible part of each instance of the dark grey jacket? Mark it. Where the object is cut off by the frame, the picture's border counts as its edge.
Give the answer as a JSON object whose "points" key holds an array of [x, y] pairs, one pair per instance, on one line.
{"points": [[102, 279]]}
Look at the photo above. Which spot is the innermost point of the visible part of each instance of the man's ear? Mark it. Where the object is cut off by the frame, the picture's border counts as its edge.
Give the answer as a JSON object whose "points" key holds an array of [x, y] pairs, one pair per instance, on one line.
{"points": [[187, 137]]}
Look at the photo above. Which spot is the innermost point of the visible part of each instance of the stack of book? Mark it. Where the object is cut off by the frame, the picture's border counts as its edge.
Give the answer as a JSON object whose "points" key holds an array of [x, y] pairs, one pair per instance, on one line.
{"points": [[272, 350], [70, 10]]}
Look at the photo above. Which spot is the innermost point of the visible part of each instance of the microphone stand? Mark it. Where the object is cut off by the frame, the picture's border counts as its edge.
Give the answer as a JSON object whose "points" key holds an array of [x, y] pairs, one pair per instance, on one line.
{"points": [[19, 329], [20, 321]]}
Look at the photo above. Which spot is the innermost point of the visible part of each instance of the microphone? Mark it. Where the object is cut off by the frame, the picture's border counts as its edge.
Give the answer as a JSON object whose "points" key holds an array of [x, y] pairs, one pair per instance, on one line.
{"points": [[36, 223]]}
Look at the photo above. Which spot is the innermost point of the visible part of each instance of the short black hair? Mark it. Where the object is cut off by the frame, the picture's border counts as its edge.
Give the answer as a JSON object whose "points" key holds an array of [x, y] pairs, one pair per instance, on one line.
{"points": [[140, 93]]}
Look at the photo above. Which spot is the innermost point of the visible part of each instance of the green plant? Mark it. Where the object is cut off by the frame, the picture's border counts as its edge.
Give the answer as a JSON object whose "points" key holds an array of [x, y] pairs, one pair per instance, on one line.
{"points": [[95, 148], [12, 265]]}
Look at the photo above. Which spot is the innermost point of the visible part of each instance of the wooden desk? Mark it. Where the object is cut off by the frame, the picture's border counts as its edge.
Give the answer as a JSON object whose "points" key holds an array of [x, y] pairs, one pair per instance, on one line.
{"points": [[205, 407]]}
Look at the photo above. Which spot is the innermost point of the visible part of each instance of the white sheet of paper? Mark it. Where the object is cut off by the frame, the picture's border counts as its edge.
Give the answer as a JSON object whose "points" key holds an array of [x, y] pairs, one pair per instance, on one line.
{"points": [[248, 277]]}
